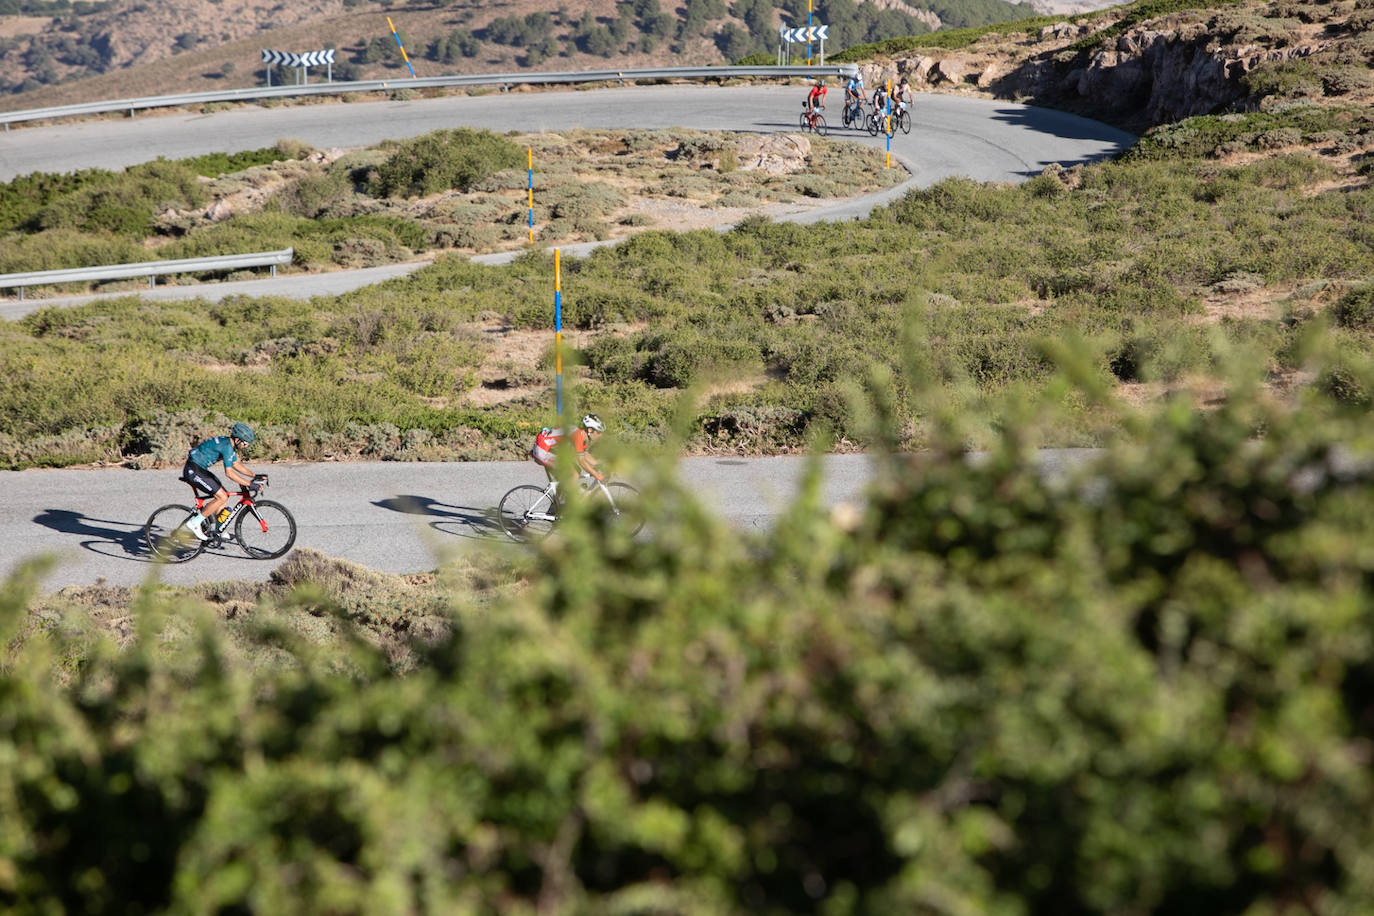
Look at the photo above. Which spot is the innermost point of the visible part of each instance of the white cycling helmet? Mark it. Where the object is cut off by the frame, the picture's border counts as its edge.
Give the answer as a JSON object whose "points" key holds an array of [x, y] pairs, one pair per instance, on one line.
{"points": [[592, 421]]}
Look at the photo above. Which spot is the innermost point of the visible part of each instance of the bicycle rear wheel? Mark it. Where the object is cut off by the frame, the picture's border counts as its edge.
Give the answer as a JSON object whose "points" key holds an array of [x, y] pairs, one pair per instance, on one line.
{"points": [[167, 537], [873, 125], [629, 511], [265, 530], [527, 513], [803, 123]]}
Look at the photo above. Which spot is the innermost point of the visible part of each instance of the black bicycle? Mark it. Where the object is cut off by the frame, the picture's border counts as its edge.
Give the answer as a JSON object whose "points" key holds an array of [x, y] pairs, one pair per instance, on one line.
{"points": [[880, 122], [262, 528]]}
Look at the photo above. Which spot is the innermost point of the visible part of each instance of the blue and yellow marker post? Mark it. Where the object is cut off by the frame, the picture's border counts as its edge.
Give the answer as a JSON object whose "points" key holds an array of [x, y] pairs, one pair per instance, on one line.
{"points": [[557, 334], [530, 151], [401, 46], [887, 127]]}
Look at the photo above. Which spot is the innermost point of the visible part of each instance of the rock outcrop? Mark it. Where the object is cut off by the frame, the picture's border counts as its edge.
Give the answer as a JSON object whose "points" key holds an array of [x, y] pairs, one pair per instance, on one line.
{"points": [[1152, 73], [776, 154]]}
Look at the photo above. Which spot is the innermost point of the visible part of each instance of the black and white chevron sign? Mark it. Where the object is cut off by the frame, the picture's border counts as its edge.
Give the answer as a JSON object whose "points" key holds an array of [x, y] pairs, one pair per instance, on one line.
{"points": [[292, 59]]}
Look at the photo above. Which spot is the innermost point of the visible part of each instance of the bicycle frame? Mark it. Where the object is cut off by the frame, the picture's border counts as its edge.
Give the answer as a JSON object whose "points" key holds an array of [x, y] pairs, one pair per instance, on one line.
{"points": [[245, 502], [551, 495]]}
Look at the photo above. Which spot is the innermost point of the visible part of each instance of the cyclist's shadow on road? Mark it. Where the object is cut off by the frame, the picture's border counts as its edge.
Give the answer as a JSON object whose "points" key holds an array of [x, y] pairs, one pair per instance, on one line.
{"points": [[106, 537], [462, 521]]}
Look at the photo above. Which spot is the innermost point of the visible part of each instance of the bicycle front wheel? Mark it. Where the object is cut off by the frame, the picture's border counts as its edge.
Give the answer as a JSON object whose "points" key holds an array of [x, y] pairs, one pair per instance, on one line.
{"points": [[906, 122], [527, 513], [167, 536], [265, 530], [873, 125], [625, 503], [820, 127]]}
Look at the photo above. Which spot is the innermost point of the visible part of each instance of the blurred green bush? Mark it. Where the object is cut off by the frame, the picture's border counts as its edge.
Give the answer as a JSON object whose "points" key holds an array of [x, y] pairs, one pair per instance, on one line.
{"points": [[1142, 685]]}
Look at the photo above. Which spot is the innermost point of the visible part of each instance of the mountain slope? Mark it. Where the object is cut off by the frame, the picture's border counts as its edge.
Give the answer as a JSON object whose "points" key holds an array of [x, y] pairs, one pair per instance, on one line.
{"points": [[124, 48]]}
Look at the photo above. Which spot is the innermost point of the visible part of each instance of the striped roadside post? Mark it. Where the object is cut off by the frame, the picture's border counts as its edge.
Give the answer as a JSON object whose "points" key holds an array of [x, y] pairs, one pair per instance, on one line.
{"points": [[887, 127], [404, 57], [557, 333]]}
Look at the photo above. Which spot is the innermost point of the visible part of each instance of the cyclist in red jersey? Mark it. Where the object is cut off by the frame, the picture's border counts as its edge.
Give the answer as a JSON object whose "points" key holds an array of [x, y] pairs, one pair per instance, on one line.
{"points": [[815, 99], [582, 438]]}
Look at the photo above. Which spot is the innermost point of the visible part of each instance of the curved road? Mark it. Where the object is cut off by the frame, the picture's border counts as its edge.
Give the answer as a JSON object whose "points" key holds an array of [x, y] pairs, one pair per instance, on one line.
{"points": [[402, 517]]}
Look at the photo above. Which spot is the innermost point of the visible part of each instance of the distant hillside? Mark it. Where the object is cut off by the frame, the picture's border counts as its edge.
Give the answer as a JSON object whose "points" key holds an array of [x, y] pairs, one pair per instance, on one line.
{"points": [[55, 52]]}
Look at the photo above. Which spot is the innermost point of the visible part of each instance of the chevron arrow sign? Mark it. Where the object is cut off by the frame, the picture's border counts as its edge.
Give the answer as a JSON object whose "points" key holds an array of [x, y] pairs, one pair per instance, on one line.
{"points": [[819, 32], [291, 59]]}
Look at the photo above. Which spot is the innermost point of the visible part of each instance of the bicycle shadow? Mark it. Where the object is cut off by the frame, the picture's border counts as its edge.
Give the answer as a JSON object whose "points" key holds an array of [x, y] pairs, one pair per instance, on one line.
{"points": [[102, 536], [460, 521]]}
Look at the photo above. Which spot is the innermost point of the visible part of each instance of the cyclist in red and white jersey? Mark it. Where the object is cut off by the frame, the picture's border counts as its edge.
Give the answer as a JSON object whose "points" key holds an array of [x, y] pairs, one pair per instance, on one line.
{"points": [[815, 99], [582, 438]]}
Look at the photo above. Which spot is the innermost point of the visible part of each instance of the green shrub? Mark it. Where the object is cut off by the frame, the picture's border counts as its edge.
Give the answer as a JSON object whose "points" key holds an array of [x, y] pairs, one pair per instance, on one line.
{"points": [[444, 159], [125, 204], [1355, 309], [1292, 79], [316, 195]]}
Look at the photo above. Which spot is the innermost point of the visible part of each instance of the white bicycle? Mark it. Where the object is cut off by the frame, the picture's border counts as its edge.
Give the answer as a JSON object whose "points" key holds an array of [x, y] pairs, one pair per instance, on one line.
{"points": [[529, 513]]}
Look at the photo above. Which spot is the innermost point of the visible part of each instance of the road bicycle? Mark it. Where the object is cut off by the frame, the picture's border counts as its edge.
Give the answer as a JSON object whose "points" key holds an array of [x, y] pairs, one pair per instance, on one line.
{"points": [[812, 120], [263, 528], [880, 122], [529, 513], [901, 118], [853, 115]]}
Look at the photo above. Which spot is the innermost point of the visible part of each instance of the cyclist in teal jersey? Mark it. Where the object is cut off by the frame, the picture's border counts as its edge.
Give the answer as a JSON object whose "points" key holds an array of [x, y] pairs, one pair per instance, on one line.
{"points": [[196, 472]]}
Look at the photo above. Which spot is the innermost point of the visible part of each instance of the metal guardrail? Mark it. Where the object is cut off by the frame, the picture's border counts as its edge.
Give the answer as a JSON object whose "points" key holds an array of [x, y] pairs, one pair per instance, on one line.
{"points": [[504, 80], [149, 269]]}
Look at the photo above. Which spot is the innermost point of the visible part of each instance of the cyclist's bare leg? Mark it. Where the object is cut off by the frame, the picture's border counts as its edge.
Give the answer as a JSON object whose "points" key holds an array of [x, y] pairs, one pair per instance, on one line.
{"points": [[215, 503]]}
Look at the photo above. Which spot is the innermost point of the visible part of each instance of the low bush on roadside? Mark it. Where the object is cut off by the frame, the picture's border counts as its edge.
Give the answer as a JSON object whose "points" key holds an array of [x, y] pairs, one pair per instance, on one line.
{"points": [[444, 159]]}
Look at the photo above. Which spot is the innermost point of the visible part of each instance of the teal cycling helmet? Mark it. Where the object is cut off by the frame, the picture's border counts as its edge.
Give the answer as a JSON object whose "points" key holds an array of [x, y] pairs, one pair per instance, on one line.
{"points": [[243, 432]]}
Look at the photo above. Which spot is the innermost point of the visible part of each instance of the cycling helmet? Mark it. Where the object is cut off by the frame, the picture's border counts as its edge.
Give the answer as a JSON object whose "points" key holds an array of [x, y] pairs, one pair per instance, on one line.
{"points": [[592, 421], [243, 432]]}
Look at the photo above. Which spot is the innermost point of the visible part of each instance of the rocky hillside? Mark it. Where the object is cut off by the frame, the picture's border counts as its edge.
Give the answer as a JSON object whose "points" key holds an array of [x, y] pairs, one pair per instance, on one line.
{"points": [[122, 48], [1150, 63]]}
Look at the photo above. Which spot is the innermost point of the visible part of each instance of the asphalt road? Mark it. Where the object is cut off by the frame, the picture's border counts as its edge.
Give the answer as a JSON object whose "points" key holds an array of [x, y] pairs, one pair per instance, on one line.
{"points": [[384, 515], [401, 517], [951, 135]]}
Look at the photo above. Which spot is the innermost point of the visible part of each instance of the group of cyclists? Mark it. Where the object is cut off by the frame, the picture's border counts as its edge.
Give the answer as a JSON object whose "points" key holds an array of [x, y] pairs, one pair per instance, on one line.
{"points": [[225, 450], [854, 96]]}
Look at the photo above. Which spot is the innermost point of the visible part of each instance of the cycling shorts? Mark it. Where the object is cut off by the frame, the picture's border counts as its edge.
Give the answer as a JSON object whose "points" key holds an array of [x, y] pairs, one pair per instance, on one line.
{"points": [[206, 484]]}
